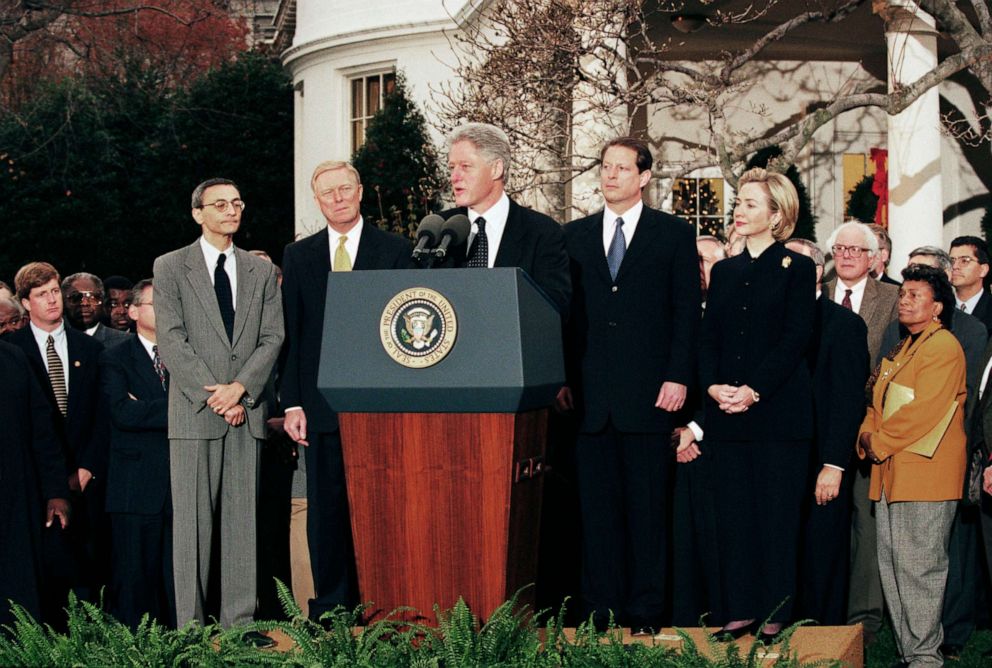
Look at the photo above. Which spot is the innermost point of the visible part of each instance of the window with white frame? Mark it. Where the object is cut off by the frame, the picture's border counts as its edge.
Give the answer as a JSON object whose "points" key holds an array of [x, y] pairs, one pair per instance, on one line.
{"points": [[700, 201], [367, 94]]}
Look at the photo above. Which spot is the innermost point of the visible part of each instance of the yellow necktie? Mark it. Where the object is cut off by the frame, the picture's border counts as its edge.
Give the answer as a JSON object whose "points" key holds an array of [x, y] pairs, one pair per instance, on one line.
{"points": [[342, 261]]}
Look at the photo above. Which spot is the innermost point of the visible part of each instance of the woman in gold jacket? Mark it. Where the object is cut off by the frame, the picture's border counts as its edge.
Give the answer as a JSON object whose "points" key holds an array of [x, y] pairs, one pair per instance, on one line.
{"points": [[914, 434]]}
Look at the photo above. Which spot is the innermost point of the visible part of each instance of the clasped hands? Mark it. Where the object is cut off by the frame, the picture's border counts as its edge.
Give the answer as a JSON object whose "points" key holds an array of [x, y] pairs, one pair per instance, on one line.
{"points": [[224, 401], [732, 399]]}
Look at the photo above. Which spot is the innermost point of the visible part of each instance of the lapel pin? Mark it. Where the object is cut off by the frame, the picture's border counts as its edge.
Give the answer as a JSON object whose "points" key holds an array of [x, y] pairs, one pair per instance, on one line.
{"points": [[76, 364], [786, 261]]}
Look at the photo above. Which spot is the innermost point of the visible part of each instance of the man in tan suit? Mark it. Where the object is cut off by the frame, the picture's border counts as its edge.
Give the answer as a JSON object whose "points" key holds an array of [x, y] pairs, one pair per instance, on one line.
{"points": [[854, 246]]}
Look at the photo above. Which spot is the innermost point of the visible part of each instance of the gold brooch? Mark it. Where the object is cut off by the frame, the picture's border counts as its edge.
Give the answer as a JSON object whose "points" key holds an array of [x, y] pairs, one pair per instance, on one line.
{"points": [[786, 261]]}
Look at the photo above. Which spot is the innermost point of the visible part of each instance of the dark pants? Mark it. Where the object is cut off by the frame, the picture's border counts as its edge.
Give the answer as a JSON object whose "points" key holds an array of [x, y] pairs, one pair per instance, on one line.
{"points": [[760, 487], [332, 555], [825, 562], [695, 544], [963, 577], [141, 579], [623, 488]]}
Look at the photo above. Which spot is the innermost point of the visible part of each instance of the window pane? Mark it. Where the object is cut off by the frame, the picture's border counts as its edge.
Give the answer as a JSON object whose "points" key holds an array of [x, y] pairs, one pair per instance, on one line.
{"points": [[389, 82], [356, 98], [357, 135], [372, 101]]}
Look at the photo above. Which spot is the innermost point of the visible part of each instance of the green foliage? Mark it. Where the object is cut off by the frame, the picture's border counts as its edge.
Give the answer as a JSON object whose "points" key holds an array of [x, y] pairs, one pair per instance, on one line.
{"points": [[862, 202], [98, 172], [806, 223], [399, 165], [986, 224]]}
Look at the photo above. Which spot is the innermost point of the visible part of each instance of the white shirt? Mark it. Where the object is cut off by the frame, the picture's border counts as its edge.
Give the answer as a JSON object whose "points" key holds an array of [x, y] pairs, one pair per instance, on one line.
{"points": [[147, 345], [495, 225], [857, 293], [969, 304], [210, 255], [351, 245], [92, 330], [61, 347], [630, 218]]}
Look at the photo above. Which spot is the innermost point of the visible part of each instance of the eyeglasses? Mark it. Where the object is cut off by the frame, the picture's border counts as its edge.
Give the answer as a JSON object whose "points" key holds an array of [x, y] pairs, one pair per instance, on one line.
{"points": [[850, 251], [85, 296], [962, 261], [10, 323], [142, 304], [222, 205]]}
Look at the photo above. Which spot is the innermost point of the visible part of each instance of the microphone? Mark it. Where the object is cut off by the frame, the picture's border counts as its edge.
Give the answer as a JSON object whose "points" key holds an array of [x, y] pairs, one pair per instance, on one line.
{"points": [[454, 232], [428, 234]]}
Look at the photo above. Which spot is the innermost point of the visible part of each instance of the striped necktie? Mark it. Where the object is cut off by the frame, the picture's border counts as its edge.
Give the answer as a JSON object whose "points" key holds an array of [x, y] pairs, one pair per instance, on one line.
{"points": [[159, 368], [56, 374]]}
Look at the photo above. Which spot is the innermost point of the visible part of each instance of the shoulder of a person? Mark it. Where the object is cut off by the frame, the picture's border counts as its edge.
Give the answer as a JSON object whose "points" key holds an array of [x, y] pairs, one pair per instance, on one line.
{"points": [[309, 240], [845, 318], [172, 257], [884, 290], [82, 341], [653, 216], [534, 218], [390, 239]]}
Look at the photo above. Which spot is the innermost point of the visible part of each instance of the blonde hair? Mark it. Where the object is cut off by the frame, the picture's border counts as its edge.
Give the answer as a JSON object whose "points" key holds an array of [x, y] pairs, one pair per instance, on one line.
{"points": [[782, 198], [329, 165]]}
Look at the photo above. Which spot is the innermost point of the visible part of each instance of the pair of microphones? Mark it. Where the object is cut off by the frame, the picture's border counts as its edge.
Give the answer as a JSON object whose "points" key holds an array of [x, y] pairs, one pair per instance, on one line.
{"points": [[435, 235]]}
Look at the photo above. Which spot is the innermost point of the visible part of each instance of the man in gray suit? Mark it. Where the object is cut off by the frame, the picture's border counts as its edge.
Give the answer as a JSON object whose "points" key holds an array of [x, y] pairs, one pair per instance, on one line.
{"points": [[854, 246], [219, 318]]}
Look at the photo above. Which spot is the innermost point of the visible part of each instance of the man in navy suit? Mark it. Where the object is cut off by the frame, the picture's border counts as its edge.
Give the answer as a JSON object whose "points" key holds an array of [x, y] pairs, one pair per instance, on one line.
{"points": [[139, 499], [347, 243], [969, 273], [503, 233], [66, 364], [630, 355]]}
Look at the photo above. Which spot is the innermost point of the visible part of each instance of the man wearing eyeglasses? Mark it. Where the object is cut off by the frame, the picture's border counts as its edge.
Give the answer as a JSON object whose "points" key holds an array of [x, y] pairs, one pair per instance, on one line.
{"points": [[84, 297], [347, 243], [853, 246], [219, 326], [969, 273], [11, 317]]}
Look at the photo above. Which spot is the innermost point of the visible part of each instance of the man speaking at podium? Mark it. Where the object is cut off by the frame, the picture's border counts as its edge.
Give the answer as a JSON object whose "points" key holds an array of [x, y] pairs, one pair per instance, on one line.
{"points": [[504, 234], [629, 355], [346, 244]]}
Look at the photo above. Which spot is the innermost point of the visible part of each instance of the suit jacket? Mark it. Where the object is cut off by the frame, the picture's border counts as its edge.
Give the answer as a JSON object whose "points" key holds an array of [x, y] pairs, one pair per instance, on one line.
{"points": [[888, 279], [306, 264], [108, 336], [194, 345], [138, 472], [934, 368], [839, 363], [535, 243], [758, 323], [879, 307], [84, 431], [627, 337], [983, 309]]}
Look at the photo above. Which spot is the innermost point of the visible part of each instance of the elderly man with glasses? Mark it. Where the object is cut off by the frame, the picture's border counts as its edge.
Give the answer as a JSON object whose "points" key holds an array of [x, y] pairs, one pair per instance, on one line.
{"points": [[84, 296], [854, 246]]}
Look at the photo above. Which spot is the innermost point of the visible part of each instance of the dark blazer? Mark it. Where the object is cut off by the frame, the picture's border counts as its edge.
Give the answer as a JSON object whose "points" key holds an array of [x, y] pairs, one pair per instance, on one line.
{"points": [[758, 323], [108, 336], [535, 243], [31, 470], [839, 363], [879, 307], [627, 337], [983, 309], [84, 431], [306, 264], [138, 471], [888, 279]]}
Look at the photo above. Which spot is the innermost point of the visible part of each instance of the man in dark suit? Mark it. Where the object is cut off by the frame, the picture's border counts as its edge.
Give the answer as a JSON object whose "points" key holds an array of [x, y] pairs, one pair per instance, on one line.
{"points": [[347, 243], [839, 365], [139, 501], [969, 273], [66, 365], [854, 247], [504, 234], [31, 470], [880, 262], [630, 349], [84, 298]]}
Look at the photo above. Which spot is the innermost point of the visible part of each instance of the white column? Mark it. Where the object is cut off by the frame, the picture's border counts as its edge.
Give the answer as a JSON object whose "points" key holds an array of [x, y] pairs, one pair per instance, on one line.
{"points": [[915, 203]]}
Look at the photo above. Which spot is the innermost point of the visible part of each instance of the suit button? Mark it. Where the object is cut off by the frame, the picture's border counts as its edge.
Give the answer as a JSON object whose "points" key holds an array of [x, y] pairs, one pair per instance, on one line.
{"points": [[613, 289], [747, 283], [738, 357], [612, 324], [742, 332], [744, 308], [234, 358]]}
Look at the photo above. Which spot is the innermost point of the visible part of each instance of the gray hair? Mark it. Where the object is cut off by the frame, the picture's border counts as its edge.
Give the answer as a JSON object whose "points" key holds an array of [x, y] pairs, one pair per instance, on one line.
{"points": [[943, 259], [871, 241], [815, 254], [11, 304], [138, 288], [490, 141], [72, 278]]}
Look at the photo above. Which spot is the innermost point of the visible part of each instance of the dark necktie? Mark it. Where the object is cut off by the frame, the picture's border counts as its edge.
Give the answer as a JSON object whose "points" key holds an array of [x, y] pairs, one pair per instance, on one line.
{"points": [[479, 257], [618, 246], [222, 286], [846, 302], [159, 368], [56, 374], [963, 307]]}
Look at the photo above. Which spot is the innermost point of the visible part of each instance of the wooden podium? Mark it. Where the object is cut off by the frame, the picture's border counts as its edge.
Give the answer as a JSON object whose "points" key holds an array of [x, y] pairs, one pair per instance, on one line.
{"points": [[443, 461]]}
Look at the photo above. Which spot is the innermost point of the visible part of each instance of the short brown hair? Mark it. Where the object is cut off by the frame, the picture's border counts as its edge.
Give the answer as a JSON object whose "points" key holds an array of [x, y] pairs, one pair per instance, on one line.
{"points": [[329, 165], [782, 197], [639, 146], [33, 275]]}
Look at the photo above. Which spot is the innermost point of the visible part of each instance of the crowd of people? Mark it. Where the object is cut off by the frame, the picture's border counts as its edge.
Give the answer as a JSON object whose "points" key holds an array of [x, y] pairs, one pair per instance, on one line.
{"points": [[755, 443]]}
